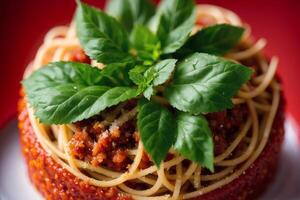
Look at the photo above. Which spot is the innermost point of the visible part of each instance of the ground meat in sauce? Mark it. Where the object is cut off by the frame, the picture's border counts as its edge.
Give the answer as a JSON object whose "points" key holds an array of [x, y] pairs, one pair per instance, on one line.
{"points": [[101, 146], [225, 124], [98, 145]]}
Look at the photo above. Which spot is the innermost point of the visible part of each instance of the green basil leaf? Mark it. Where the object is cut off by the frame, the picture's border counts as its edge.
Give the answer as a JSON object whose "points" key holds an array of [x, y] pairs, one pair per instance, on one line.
{"points": [[101, 36], [155, 125], [162, 71], [217, 39], [129, 12], [147, 85], [206, 83], [194, 139], [65, 92], [145, 43], [156, 75], [148, 92], [176, 19], [136, 74], [117, 74]]}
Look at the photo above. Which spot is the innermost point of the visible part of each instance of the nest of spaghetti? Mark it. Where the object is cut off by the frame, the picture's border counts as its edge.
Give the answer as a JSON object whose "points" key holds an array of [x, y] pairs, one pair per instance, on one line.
{"points": [[104, 156]]}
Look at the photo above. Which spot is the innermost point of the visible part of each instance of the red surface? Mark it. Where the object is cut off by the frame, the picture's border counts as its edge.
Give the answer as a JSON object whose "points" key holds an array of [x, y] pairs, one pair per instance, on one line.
{"points": [[24, 23]]}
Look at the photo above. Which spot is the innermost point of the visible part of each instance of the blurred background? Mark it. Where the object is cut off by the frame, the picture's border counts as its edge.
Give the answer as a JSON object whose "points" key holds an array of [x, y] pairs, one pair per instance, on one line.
{"points": [[23, 23]]}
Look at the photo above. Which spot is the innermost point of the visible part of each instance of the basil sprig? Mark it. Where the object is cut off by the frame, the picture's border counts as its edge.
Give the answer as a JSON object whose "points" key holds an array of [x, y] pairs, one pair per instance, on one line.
{"points": [[146, 55], [153, 76]]}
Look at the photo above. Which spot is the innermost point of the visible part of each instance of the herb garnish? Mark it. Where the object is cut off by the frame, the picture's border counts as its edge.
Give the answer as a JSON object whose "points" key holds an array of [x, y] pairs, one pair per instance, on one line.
{"points": [[143, 51]]}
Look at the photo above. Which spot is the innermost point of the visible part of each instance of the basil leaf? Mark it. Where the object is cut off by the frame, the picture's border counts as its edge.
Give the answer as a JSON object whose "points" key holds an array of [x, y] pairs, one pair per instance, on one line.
{"points": [[121, 10], [129, 12], [194, 139], [155, 125], [176, 19], [206, 83], [101, 36], [147, 85], [149, 92], [153, 76], [137, 74], [145, 43], [65, 92], [117, 74], [217, 39], [162, 71], [158, 74]]}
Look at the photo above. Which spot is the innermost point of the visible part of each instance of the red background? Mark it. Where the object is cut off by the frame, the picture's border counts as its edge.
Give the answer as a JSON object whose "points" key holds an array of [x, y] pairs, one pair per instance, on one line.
{"points": [[23, 23]]}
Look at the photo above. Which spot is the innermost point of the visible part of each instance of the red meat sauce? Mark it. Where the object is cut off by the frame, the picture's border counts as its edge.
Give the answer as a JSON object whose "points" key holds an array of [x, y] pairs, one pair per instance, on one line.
{"points": [[97, 144], [100, 146]]}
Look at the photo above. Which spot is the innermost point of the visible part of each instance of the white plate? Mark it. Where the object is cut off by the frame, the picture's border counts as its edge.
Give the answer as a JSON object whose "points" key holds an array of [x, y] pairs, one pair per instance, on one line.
{"points": [[15, 185]]}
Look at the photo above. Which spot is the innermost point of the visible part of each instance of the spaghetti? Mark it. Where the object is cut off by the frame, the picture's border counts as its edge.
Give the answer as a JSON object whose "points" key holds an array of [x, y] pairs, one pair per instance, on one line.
{"points": [[174, 179]]}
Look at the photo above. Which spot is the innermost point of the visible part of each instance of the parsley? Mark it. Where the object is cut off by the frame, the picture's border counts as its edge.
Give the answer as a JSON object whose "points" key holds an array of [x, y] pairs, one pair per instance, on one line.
{"points": [[146, 54]]}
